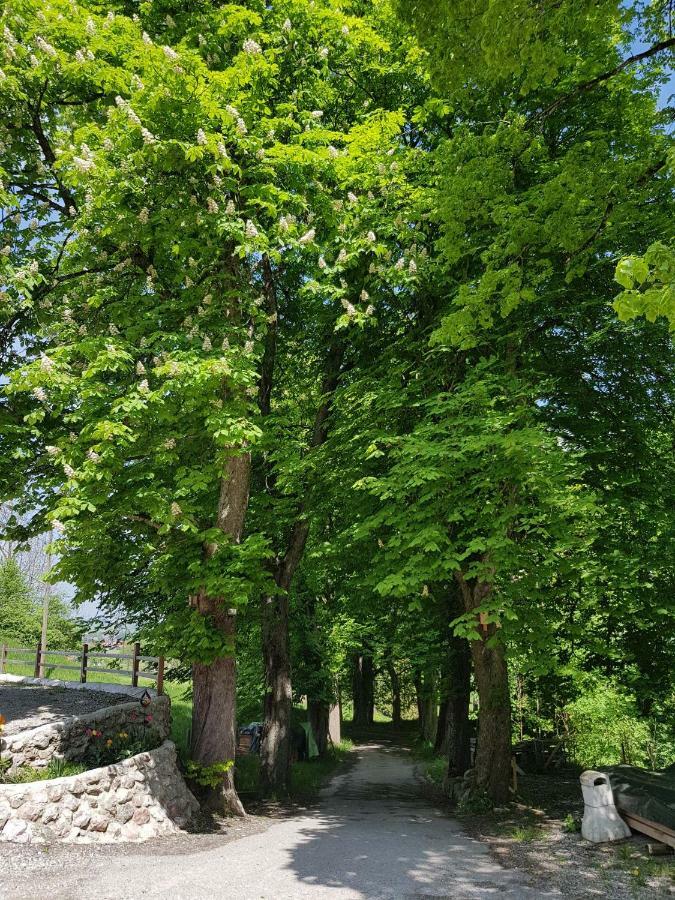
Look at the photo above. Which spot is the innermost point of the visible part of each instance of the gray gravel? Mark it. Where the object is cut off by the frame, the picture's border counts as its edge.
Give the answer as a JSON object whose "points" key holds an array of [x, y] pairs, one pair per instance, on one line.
{"points": [[27, 706], [372, 835]]}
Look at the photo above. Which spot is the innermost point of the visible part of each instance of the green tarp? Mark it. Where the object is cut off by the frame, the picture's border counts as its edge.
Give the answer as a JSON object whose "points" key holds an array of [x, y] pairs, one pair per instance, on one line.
{"points": [[650, 795]]}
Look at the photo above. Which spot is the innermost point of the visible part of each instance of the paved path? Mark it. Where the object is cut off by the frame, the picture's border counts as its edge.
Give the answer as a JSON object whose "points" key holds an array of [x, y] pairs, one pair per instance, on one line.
{"points": [[371, 836]]}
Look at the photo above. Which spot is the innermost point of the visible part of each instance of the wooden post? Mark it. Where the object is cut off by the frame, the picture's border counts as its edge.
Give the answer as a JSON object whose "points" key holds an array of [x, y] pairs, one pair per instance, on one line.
{"points": [[83, 664], [3, 659], [160, 676], [38, 656], [134, 665]]}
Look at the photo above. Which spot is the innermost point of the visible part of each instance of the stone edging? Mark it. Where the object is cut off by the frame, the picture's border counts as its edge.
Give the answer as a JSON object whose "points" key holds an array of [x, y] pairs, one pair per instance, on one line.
{"points": [[68, 739], [77, 686], [141, 797]]}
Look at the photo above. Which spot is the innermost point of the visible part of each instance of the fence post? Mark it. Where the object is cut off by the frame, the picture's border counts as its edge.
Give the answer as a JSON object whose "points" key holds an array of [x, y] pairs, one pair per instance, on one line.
{"points": [[38, 654], [160, 675], [84, 663], [135, 665], [3, 659]]}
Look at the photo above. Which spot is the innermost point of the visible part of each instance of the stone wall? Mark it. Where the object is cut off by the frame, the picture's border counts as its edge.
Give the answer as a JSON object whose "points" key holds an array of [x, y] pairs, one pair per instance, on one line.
{"points": [[139, 798], [68, 738]]}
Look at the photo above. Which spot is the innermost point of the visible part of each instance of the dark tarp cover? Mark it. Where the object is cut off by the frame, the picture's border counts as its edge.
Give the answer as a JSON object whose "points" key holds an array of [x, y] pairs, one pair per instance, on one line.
{"points": [[650, 795]]}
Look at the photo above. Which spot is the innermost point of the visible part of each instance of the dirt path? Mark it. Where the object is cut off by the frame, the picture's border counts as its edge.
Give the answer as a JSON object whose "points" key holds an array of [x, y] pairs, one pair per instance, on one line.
{"points": [[370, 836]]}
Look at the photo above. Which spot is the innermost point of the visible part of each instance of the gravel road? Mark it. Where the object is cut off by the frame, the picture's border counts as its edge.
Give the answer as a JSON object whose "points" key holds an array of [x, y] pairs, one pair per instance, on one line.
{"points": [[372, 835]]}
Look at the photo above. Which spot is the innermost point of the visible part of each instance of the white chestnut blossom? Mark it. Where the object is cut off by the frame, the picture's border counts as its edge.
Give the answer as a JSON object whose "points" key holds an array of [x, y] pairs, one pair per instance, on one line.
{"points": [[412, 266], [144, 387], [351, 196], [252, 47], [206, 344], [144, 216], [363, 296], [317, 113], [39, 394], [345, 29], [333, 152], [170, 53], [79, 56], [45, 47], [169, 443], [323, 52], [58, 525], [147, 39], [342, 256], [230, 208], [201, 137], [222, 149], [140, 368], [241, 126], [176, 510], [371, 236], [90, 27], [251, 230], [52, 450], [399, 263], [287, 26], [68, 471], [350, 309], [308, 237], [211, 205], [370, 309], [6, 250], [46, 364], [82, 330], [322, 262], [93, 456], [113, 330]]}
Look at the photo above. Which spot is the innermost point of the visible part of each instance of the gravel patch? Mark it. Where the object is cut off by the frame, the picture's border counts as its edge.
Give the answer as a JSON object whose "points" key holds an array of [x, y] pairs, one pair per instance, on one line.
{"points": [[531, 836], [28, 706]]}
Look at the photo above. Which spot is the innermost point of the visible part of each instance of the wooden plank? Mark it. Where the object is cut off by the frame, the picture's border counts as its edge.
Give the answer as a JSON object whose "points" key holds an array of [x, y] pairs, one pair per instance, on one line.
{"points": [[112, 655], [651, 829], [160, 676], [101, 671], [84, 662], [134, 666]]}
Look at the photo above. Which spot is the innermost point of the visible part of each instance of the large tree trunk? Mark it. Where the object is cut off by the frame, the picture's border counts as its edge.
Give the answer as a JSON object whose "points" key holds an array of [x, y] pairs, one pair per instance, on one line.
{"points": [[214, 733], [275, 748], [395, 694], [318, 713], [214, 721], [454, 738], [363, 689], [493, 756]]}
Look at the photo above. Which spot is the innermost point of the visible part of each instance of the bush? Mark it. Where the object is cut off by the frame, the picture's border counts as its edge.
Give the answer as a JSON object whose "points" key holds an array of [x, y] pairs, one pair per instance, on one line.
{"points": [[606, 729]]}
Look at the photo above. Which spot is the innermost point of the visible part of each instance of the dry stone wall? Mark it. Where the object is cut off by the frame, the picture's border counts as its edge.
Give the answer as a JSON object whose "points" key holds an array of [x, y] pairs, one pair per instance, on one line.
{"points": [[141, 797], [69, 738]]}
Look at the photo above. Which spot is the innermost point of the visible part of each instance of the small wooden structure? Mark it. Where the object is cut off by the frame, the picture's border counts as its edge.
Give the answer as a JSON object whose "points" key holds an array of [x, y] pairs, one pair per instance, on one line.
{"points": [[80, 661], [652, 829]]}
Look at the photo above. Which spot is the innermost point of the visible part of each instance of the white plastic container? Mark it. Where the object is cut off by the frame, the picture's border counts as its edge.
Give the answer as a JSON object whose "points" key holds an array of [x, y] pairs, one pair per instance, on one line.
{"points": [[601, 820]]}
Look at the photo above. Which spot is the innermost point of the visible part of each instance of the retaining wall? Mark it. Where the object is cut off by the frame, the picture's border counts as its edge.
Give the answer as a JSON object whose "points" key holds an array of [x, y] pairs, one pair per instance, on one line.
{"points": [[141, 797], [68, 738]]}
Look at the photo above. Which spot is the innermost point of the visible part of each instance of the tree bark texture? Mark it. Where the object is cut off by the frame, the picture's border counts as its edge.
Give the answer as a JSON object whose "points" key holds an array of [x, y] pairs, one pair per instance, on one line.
{"points": [[395, 682], [493, 755], [318, 712], [214, 685], [425, 691]]}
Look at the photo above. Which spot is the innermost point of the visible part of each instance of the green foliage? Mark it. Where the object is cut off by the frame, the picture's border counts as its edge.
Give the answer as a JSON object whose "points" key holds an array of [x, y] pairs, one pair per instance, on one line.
{"points": [[208, 776], [606, 729]]}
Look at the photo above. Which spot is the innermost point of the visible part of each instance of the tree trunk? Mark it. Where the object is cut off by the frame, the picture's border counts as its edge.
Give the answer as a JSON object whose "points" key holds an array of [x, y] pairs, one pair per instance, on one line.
{"points": [[214, 685], [455, 740], [395, 694], [363, 677], [425, 689], [318, 713], [493, 756], [214, 719], [275, 748]]}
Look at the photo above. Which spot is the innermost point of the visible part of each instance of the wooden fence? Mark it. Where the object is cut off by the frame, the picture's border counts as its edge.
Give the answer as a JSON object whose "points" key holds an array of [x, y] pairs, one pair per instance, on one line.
{"points": [[42, 662]]}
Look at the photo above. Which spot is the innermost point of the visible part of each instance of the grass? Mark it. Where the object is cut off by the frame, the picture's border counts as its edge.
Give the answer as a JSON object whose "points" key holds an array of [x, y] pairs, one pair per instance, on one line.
{"points": [[57, 768], [307, 777]]}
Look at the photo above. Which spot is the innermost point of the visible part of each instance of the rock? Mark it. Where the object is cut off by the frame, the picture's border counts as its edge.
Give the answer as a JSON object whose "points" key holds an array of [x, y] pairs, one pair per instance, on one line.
{"points": [[16, 830], [81, 819], [141, 816], [124, 813], [98, 823], [71, 803]]}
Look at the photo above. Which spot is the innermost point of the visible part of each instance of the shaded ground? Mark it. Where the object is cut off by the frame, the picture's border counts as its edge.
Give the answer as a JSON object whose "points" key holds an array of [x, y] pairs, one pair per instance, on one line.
{"points": [[27, 706], [371, 836]]}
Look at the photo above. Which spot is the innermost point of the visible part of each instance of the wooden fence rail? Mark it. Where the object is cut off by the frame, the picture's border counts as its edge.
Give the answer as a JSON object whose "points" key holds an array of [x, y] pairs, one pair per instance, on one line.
{"points": [[26, 656]]}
